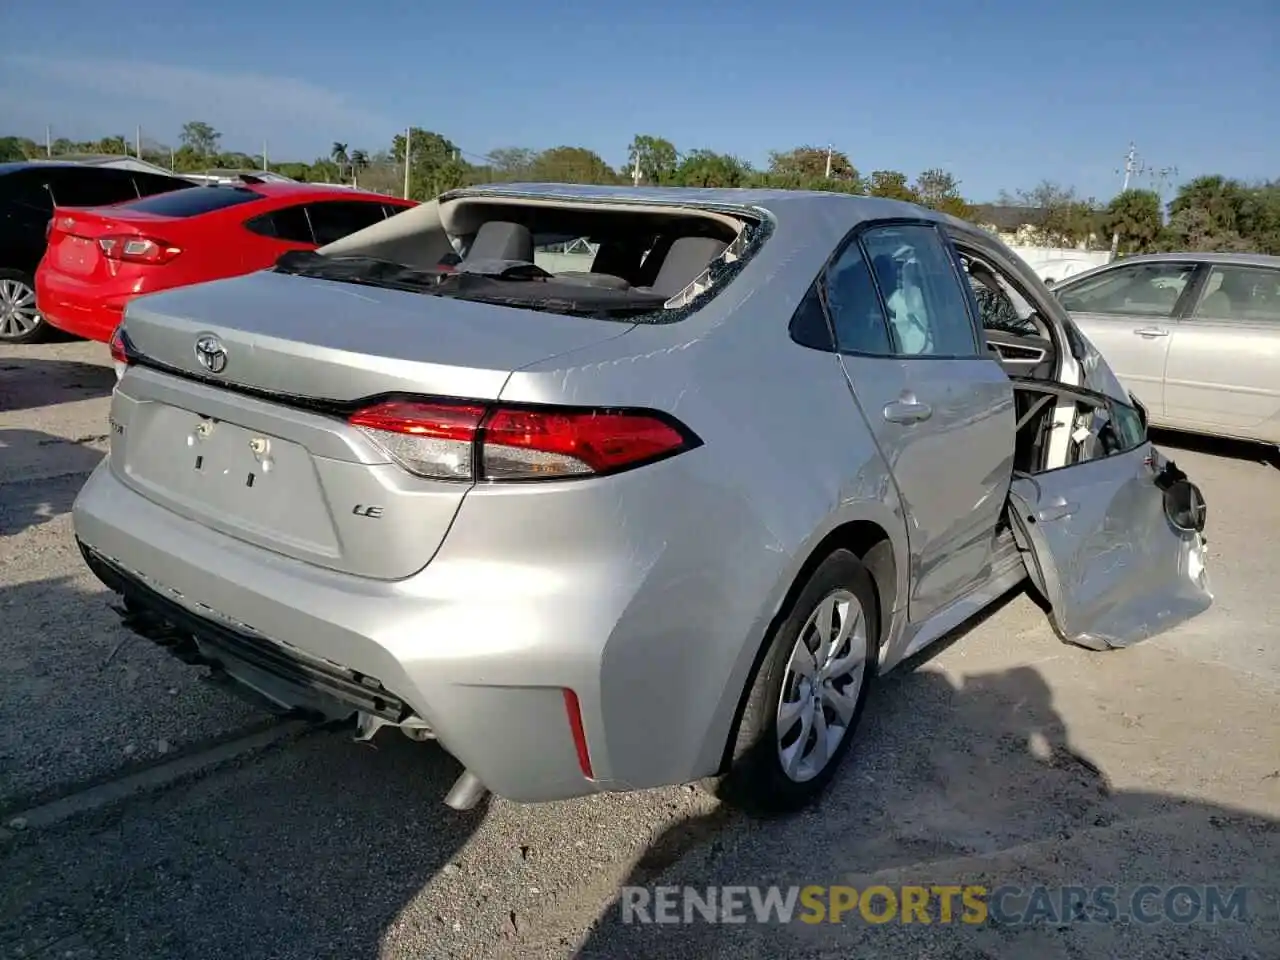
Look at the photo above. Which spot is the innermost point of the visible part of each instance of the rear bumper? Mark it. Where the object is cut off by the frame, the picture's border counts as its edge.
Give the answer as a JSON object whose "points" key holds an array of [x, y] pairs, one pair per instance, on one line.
{"points": [[82, 309], [482, 650]]}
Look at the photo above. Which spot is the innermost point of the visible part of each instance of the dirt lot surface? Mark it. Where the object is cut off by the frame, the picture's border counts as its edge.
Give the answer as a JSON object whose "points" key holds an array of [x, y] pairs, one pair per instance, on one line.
{"points": [[145, 813]]}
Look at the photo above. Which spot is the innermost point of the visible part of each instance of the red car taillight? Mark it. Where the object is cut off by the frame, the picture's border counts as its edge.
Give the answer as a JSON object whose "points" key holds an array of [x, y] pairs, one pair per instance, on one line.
{"points": [[137, 249], [120, 352], [465, 441]]}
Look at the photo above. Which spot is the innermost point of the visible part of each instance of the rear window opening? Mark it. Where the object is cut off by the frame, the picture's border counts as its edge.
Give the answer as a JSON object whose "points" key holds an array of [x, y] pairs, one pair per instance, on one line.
{"points": [[193, 201], [650, 263], [1095, 427]]}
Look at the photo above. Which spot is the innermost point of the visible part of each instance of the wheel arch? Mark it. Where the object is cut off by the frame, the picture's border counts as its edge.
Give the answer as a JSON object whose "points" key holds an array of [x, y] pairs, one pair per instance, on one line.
{"points": [[871, 543]]}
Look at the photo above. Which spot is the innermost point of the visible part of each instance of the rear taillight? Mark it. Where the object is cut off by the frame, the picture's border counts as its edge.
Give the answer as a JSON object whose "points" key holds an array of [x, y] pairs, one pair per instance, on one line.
{"points": [[121, 352], [137, 249], [464, 441]]}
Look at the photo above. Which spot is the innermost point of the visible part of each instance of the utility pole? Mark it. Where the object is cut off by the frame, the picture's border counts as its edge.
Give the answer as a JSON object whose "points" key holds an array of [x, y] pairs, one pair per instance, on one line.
{"points": [[407, 141], [1129, 159], [828, 173], [635, 171], [137, 141], [48, 141], [264, 156]]}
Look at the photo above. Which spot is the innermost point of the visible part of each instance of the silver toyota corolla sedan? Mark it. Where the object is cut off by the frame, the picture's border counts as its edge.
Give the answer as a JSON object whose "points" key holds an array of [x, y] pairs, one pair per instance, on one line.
{"points": [[1195, 336], [658, 515]]}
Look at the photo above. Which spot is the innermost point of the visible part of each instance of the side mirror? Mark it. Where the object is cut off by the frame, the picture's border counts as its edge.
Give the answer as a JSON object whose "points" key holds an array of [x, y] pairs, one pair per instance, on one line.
{"points": [[1185, 507]]}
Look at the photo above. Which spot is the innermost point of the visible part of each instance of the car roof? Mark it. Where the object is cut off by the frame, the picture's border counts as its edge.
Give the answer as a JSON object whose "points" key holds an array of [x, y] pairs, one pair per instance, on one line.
{"points": [[782, 204], [1239, 259], [13, 166]]}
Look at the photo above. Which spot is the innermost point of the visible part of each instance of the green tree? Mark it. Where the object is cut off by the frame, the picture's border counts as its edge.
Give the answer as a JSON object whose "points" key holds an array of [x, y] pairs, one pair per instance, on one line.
{"points": [[116, 146], [508, 164], [13, 149], [940, 190], [892, 185], [571, 165], [706, 168], [1056, 214], [338, 154], [656, 158], [200, 137], [435, 163], [806, 168], [1135, 216], [186, 159]]}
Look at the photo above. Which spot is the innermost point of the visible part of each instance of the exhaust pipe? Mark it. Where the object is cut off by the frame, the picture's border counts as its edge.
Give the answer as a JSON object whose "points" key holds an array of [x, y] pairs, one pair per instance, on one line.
{"points": [[466, 792]]}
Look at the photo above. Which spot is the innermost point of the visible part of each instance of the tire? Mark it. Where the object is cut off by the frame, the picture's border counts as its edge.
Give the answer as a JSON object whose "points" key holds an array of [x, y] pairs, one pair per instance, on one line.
{"points": [[17, 309], [758, 780]]}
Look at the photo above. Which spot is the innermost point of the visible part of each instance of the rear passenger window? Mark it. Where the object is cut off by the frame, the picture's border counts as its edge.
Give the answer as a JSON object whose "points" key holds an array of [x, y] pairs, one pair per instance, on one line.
{"points": [[334, 219], [289, 224], [27, 192], [149, 184], [194, 201], [856, 313], [91, 187], [809, 324], [927, 307]]}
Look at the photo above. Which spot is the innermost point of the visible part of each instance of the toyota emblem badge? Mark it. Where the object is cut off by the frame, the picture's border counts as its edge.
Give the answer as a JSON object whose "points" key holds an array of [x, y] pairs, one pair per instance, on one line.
{"points": [[211, 353]]}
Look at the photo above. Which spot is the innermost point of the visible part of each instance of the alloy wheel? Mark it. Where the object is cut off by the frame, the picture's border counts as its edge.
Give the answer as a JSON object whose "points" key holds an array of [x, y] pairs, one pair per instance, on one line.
{"points": [[821, 686], [18, 313]]}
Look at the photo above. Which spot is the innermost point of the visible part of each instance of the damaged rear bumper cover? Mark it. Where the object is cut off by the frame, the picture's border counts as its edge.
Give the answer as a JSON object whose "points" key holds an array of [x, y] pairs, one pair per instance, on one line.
{"points": [[284, 678]]}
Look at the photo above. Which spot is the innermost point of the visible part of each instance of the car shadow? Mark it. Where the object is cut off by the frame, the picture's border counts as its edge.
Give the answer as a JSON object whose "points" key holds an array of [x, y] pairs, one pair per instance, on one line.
{"points": [[30, 382], [321, 847], [63, 466], [308, 848], [974, 781], [1218, 446]]}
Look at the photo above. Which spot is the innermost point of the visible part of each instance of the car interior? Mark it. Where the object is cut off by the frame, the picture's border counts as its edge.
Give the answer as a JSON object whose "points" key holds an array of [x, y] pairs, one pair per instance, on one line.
{"points": [[1021, 340], [1014, 330], [1100, 427], [621, 247]]}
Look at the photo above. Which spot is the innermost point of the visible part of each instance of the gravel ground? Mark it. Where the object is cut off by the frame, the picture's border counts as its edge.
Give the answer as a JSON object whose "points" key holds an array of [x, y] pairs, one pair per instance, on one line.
{"points": [[1003, 758]]}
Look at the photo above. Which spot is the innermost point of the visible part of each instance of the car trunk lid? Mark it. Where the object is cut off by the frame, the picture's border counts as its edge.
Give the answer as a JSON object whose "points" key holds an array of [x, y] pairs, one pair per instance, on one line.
{"points": [[261, 449], [87, 243]]}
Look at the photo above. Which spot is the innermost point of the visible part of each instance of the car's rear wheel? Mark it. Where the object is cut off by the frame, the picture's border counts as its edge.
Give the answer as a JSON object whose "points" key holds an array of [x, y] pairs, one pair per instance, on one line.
{"points": [[20, 321], [808, 694]]}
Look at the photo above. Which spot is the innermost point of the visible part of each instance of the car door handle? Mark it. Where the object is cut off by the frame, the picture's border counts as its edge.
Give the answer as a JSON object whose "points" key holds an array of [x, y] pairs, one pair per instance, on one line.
{"points": [[1150, 332], [1057, 511], [907, 411]]}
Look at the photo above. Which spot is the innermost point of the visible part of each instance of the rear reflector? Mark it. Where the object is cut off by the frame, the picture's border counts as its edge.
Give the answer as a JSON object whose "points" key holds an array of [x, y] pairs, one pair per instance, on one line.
{"points": [[462, 441], [137, 249], [574, 710]]}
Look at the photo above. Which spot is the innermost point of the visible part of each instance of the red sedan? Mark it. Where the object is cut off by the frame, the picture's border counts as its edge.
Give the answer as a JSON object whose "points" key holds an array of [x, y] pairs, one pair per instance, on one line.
{"points": [[100, 258]]}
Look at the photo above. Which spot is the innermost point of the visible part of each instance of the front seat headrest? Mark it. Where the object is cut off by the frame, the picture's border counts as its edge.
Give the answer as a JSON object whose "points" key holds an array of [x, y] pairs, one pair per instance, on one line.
{"points": [[498, 240]]}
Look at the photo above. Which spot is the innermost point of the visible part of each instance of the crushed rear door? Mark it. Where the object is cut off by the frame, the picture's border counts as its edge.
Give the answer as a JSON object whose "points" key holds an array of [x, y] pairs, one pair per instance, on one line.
{"points": [[1115, 545]]}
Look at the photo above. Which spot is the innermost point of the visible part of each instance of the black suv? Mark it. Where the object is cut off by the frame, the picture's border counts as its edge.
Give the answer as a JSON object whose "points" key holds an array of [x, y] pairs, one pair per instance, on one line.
{"points": [[28, 193]]}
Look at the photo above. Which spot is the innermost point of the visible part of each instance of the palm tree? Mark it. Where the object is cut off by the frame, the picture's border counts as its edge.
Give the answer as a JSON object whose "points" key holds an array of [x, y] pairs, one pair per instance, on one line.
{"points": [[339, 156], [359, 160]]}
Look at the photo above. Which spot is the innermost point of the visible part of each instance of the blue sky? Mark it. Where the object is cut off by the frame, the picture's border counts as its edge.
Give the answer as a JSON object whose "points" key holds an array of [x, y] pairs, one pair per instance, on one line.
{"points": [[1001, 93]]}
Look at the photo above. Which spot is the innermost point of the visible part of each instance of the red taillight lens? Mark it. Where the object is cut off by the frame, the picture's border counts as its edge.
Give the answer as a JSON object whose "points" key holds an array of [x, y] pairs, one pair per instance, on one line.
{"points": [[451, 441], [137, 249], [520, 444], [120, 347]]}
